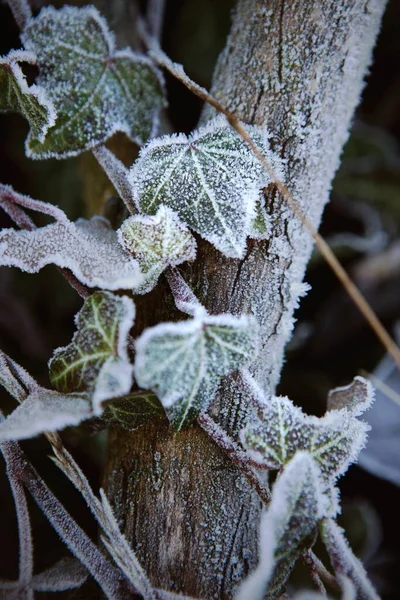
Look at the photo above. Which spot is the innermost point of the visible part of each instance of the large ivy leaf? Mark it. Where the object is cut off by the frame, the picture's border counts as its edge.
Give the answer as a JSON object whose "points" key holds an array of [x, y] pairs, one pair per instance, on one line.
{"points": [[156, 243], [287, 529], [30, 101], [95, 89], [96, 361], [211, 179], [90, 249], [184, 362], [133, 411], [333, 441]]}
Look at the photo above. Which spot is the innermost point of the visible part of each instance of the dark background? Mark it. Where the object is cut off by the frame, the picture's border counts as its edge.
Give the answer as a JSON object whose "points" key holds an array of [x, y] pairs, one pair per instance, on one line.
{"points": [[331, 343]]}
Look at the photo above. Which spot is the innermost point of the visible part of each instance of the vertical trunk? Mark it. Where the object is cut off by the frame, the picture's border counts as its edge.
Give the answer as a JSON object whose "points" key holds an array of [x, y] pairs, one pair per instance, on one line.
{"points": [[296, 67]]}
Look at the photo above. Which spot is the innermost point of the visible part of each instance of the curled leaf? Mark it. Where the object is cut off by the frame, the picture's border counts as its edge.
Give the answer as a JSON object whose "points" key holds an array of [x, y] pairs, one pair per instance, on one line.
{"points": [[211, 179], [96, 361], [96, 89], [31, 102], [90, 249], [184, 362], [156, 243]]}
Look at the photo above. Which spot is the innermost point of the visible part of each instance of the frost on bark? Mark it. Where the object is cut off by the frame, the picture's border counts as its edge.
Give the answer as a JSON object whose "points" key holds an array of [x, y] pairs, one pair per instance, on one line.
{"points": [[296, 67]]}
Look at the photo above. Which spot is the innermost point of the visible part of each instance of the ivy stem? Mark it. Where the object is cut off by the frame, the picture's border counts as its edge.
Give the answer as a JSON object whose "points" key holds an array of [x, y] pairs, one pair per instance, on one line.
{"points": [[238, 456], [352, 290], [21, 12], [118, 175], [322, 571], [308, 560], [11, 203]]}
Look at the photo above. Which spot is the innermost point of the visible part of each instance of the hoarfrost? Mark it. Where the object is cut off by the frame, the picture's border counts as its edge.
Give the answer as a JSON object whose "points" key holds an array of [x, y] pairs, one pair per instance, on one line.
{"points": [[96, 89], [156, 243], [356, 397], [96, 361], [287, 528], [90, 249], [30, 101], [344, 563], [211, 179], [184, 362]]}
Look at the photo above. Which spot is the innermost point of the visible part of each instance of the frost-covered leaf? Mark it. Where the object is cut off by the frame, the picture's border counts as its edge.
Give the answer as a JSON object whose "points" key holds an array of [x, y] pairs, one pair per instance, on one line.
{"points": [[287, 529], [133, 411], [260, 227], [30, 101], [45, 410], [96, 89], [90, 249], [333, 441], [156, 243], [96, 361], [344, 563], [184, 362], [66, 574], [211, 179], [356, 397]]}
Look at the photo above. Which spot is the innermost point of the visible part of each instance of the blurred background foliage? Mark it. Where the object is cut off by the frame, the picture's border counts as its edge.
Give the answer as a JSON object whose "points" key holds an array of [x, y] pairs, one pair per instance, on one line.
{"points": [[331, 342]]}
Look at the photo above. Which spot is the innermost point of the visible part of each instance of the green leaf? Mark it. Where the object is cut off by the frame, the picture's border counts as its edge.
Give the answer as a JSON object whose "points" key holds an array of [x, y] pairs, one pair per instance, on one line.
{"points": [[96, 361], [29, 101], [333, 441], [184, 362], [156, 243], [133, 411], [211, 179], [96, 89], [287, 529], [260, 227]]}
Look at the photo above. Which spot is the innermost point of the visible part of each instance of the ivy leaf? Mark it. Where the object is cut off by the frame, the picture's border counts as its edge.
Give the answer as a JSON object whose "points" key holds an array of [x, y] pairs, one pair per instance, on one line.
{"points": [[260, 227], [90, 249], [156, 243], [184, 362], [133, 411], [29, 101], [333, 441], [211, 179], [287, 528], [96, 89], [96, 361], [344, 563], [356, 397], [40, 409]]}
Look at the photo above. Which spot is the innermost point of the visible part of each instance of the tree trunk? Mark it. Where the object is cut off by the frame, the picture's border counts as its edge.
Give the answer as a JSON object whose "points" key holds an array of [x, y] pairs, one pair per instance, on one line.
{"points": [[296, 67]]}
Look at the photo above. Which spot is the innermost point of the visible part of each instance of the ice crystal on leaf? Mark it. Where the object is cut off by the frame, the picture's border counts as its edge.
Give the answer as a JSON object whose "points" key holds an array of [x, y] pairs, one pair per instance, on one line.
{"points": [[211, 179], [40, 409], [90, 249], [156, 243], [287, 528], [345, 564], [96, 89], [30, 101], [96, 361], [184, 362]]}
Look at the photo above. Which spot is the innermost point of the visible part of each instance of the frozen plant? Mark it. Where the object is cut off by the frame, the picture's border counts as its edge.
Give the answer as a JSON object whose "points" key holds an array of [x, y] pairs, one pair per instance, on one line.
{"points": [[196, 374]]}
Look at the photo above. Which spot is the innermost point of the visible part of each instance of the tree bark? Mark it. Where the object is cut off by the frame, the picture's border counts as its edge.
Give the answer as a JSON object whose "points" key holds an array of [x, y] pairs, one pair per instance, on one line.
{"points": [[297, 68]]}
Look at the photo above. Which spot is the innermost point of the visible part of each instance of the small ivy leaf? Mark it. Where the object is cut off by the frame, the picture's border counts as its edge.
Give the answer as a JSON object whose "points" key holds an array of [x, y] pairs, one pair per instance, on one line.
{"points": [[344, 563], [156, 243], [356, 397], [133, 411], [211, 179], [333, 441], [90, 249], [96, 89], [287, 528], [29, 101], [260, 227], [184, 362], [96, 361]]}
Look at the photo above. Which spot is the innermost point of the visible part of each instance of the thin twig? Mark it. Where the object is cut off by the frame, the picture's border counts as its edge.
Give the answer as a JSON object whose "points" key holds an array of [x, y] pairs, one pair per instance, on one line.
{"points": [[21, 12], [237, 456], [323, 572], [155, 17], [177, 70], [308, 560], [118, 175], [382, 387]]}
